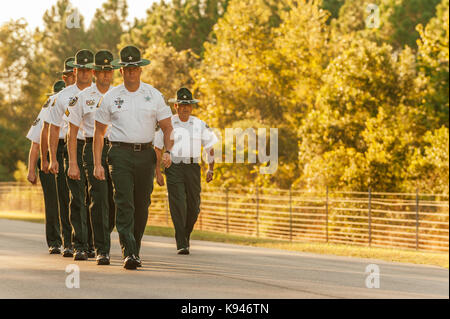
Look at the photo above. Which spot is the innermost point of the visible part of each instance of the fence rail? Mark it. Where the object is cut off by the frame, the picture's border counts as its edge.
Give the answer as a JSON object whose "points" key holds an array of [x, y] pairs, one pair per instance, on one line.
{"points": [[392, 220]]}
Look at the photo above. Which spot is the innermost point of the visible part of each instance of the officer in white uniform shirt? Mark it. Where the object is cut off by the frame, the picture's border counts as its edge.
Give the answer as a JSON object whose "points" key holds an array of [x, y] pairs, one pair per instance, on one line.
{"points": [[48, 182], [65, 100], [81, 118], [132, 109], [61, 181], [183, 176]]}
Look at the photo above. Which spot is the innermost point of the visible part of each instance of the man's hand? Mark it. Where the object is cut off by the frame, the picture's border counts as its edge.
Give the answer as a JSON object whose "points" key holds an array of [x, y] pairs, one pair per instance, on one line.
{"points": [[160, 179], [74, 172], [99, 173], [54, 167], [166, 160], [32, 178], [209, 176], [45, 166]]}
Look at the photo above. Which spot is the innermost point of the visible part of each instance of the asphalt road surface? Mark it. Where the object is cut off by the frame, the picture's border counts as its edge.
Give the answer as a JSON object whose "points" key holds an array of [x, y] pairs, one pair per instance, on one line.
{"points": [[212, 270]]}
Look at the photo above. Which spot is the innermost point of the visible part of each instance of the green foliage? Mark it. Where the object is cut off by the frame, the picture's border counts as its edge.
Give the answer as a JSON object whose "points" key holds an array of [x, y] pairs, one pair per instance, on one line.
{"points": [[21, 172]]}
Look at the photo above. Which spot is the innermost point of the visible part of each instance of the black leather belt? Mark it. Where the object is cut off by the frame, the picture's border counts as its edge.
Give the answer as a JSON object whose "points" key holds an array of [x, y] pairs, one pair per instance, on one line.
{"points": [[135, 147], [91, 140]]}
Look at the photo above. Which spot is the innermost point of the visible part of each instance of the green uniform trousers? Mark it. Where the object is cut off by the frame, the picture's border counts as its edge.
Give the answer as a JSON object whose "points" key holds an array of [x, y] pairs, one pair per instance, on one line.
{"points": [[132, 175], [52, 225], [102, 206], [63, 196], [184, 187], [77, 205]]}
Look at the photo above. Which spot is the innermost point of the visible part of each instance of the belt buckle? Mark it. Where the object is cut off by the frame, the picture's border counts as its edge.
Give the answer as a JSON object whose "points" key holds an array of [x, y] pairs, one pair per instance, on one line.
{"points": [[137, 147]]}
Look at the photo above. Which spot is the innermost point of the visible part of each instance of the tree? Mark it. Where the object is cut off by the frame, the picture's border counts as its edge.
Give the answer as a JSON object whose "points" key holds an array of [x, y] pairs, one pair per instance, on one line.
{"points": [[433, 62], [108, 25]]}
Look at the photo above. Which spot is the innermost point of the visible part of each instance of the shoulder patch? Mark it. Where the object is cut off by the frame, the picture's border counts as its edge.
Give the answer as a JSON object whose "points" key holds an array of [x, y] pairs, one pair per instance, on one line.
{"points": [[36, 121], [67, 112], [46, 104], [73, 100]]}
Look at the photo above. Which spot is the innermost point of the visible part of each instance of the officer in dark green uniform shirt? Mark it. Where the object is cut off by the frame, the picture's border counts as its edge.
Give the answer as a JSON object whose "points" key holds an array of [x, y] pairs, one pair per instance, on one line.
{"points": [[183, 176]]}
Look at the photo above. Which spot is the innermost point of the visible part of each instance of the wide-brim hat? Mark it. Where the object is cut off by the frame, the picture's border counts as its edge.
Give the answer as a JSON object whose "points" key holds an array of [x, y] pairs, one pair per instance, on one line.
{"points": [[82, 59], [184, 96], [67, 68], [130, 56], [57, 86], [102, 61]]}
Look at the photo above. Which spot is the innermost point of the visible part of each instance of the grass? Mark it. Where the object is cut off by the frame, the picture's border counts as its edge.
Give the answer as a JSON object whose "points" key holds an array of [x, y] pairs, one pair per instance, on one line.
{"points": [[394, 255]]}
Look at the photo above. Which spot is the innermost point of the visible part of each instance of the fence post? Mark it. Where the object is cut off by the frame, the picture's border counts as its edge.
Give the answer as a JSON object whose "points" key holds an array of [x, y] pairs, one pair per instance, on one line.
{"points": [[257, 211], [370, 217], [417, 219], [290, 213], [226, 201], [326, 216]]}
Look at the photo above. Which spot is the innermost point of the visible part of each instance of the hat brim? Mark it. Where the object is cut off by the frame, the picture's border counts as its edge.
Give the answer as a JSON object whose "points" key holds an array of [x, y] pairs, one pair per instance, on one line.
{"points": [[64, 72], [118, 63], [175, 101], [101, 67], [78, 66]]}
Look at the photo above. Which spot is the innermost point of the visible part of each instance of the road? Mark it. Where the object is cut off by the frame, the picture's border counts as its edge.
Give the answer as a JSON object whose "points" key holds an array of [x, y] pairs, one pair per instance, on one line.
{"points": [[212, 270]]}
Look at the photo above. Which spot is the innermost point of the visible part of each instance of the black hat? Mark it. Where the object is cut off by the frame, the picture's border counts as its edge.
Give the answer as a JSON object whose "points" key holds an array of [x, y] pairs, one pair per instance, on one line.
{"points": [[102, 61], [57, 86], [130, 56], [82, 59], [67, 68], [184, 96]]}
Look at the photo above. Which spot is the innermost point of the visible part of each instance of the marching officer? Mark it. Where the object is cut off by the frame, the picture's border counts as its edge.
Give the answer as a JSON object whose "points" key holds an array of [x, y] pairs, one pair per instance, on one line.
{"points": [[66, 99], [62, 189], [132, 109], [82, 117], [48, 182], [183, 176]]}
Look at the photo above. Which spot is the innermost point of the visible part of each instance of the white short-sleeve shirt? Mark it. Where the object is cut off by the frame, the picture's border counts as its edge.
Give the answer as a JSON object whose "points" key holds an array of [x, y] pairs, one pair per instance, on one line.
{"points": [[188, 136], [82, 114], [132, 115], [34, 134], [60, 110]]}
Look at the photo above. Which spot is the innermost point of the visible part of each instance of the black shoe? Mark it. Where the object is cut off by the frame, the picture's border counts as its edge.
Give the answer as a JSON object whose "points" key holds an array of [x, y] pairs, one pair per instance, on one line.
{"points": [[130, 262], [54, 250], [138, 261], [183, 251], [103, 259], [68, 252], [80, 255], [91, 253]]}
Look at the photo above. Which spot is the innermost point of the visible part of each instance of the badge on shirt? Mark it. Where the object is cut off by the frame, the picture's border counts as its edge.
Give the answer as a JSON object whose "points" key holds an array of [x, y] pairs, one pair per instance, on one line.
{"points": [[90, 102], [46, 104], [67, 112], [118, 102], [73, 100], [147, 98], [36, 122]]}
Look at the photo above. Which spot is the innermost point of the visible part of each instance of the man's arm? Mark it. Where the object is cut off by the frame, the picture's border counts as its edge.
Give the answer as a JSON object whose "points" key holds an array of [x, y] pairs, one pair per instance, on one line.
{"points": [[32, 161], [167, 129], [73, 171], [99, 135], [44, 147], [53, 138], [210, 173], [159, 176]]}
